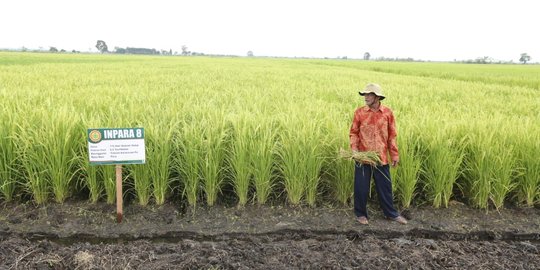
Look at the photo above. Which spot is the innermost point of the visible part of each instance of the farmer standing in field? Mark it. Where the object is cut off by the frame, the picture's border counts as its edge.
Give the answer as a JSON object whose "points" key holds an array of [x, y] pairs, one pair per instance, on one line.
{"points": [[374, 129]]}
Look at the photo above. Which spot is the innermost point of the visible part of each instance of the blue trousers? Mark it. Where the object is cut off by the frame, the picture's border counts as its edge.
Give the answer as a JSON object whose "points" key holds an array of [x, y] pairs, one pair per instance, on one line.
{"points": [[383, 184]]}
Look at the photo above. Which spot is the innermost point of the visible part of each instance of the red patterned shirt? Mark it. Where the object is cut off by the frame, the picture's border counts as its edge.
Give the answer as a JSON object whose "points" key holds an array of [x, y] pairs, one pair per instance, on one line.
{"points": [[374, 131]]}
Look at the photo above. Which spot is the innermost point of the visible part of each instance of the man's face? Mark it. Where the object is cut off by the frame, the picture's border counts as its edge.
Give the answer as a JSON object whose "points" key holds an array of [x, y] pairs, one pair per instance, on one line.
{"points": [[370, 99]]}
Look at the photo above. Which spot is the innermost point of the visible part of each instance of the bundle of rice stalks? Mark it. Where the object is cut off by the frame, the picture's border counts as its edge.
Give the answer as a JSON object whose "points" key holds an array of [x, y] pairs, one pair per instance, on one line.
{"points": [[368, 157]]}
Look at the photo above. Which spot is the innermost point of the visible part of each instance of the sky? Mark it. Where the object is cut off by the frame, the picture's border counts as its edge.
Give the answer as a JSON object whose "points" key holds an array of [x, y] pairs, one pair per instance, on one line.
{"points": [[431, 30]]}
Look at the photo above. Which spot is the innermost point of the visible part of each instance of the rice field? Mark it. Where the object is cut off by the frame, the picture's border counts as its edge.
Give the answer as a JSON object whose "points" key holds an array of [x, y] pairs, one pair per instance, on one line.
{"points": [[265, 130]]}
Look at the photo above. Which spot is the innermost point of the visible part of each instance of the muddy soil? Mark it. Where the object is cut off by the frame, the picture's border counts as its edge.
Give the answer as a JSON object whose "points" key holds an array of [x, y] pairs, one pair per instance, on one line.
{"points": [[78, 235]]}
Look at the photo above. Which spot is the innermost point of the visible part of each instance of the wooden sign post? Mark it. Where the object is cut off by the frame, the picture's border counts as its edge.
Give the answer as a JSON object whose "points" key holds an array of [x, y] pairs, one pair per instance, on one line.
{"points": [[116, 146], [119, 193]]}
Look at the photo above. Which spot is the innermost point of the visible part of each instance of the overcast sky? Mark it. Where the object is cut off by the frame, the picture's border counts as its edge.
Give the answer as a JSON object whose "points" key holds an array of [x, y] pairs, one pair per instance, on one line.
{"points": [[438, 30]]}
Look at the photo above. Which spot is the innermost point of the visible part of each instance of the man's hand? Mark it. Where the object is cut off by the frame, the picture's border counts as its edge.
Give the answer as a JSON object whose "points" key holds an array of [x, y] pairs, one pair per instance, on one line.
{"points": [[395, 163]]}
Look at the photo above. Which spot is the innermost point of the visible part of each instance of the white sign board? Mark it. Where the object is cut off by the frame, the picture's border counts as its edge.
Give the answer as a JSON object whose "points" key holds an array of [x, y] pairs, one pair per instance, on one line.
{"points": [[116, 146]]}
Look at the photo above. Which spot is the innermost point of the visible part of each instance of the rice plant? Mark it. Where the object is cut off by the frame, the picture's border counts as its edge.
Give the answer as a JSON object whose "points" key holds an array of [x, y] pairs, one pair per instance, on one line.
{"points": [[188, 159], [343, 178], [491, 168], [62, 143], [340, 166], [50, 155], [263, 145], [240, 157], [34, 172], [213, 145], [142, 183], [159, 156], [301, 157], [503, 172], [315, 161], [9, 166], [108, 175], [442, 168], [93, 181], [528, 182], [479, 163], [407, 174], [291, 157]]}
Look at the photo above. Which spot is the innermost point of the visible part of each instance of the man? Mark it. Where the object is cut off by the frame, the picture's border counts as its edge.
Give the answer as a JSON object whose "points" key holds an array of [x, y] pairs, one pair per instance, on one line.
{"points": [[374, 129]]}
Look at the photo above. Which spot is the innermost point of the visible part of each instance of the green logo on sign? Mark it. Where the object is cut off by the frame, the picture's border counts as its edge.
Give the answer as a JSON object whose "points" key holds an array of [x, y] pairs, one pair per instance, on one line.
{"points": [[94, 136]]}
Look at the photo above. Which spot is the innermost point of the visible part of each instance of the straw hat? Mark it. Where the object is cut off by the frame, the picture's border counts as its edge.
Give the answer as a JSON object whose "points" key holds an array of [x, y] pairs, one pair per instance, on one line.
{"points": [[373, 88]]}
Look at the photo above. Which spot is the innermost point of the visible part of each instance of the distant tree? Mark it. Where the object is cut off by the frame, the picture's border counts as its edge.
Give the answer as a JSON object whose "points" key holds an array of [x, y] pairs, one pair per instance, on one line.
{"points": [[53, 49], [130, 50], [367, 56], [524, 58], [250, 53], [184, 50], [484, 60], [119, 50], [62, 51], [102, 46]]}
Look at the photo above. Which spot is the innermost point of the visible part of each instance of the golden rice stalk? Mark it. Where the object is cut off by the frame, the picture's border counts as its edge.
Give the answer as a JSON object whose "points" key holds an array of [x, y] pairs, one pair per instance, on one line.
{"points": [[369, 157]]}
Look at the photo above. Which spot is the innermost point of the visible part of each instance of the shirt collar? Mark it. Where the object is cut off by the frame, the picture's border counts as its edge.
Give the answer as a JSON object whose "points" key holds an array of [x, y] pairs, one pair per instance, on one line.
{"points": [[381, 108]]}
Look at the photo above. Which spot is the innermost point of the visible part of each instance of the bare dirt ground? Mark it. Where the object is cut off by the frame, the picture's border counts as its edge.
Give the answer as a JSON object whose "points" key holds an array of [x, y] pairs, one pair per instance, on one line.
{"points": [[78, 235]]}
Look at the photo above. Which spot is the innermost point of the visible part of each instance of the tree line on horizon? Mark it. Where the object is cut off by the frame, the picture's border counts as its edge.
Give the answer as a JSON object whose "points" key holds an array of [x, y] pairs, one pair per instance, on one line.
{"points": [[103, 48]]}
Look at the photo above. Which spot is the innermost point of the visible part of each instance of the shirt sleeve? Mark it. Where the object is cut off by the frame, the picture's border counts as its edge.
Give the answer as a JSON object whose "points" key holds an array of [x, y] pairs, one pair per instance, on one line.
{"points": [[353, 133], [392, 134]]}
